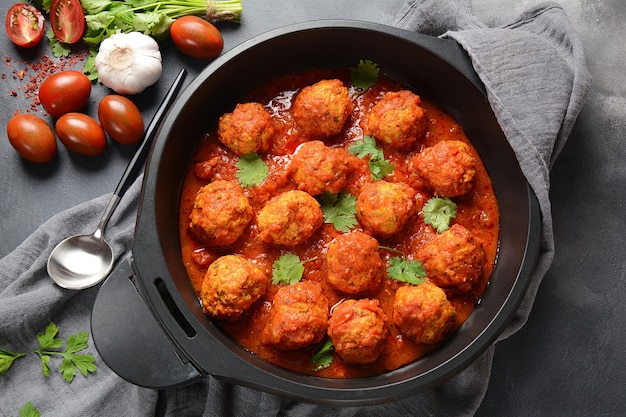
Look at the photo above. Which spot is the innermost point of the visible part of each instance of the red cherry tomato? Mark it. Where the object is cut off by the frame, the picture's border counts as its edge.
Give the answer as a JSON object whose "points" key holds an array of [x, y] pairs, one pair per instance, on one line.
{"points": [[196, 37], [81, 134], [67, 20], [24, 25], [121, 119], [32, 138], [64, 92]]}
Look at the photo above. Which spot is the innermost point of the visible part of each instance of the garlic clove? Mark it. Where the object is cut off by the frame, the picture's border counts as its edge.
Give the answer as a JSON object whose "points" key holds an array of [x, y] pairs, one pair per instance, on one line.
{"points": [[128, 63]]}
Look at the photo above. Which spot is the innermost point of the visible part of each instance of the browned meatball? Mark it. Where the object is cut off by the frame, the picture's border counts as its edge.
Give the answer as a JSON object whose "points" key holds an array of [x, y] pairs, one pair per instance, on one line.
{"points": [[289, 218], [231, 285], [453, 259], [398, 119], [322, 109], [358, 331], [448, 167], [220, 214], [298, 318], [384, 207], [249, 128], [354, 263], [317, 168], [423, 313]]}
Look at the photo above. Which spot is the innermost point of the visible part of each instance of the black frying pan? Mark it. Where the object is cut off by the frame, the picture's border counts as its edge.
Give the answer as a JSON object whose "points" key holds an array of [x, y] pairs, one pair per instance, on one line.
{"points": [[147, 322]]}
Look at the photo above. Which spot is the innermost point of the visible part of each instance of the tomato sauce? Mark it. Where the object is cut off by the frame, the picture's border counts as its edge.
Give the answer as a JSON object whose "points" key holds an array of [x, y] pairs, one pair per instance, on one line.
{"points": [[477, 211]]}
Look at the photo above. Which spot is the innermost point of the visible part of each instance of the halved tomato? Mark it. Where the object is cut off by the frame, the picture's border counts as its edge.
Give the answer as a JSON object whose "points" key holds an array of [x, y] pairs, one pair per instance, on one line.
{"points": [[24, 25], [67, 20]]}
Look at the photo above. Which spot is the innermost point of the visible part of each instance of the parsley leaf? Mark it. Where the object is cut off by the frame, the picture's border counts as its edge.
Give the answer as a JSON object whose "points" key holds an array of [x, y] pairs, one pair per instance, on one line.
{"points": [[339, 210], [50, 345], [6, 360], [402, 270], [251, 170], [287, 269], [29, 411], [324, 357], [366, 147], [364, 75], [439, 212]]}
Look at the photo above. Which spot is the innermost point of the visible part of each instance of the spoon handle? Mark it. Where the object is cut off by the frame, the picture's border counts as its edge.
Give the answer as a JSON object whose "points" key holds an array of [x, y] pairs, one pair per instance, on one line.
{"points": [[136, 164]]}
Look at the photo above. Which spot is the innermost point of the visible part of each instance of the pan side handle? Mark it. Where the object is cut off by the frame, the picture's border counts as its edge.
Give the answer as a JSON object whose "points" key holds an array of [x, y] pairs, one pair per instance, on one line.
{"points": [[130, 341]]}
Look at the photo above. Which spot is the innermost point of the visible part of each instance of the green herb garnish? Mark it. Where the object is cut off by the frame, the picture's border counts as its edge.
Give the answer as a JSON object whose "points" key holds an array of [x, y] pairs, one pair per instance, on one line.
{"points": [[403, 270], [7, 358], [366, 147], [439, 212], [50, 345], [324, 357], [364, 75], [29, 411], [339, 210], [251, 170], [288, 269]]}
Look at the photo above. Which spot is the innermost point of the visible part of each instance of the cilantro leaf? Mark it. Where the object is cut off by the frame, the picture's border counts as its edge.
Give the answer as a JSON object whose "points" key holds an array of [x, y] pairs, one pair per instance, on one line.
{"points": [[403, 270], [364, 75], [339, 210], [47, 340], [324, 357], [439, 212], [287, 269], [251, 170], [7, 358], [29, 411], [366, 147]]}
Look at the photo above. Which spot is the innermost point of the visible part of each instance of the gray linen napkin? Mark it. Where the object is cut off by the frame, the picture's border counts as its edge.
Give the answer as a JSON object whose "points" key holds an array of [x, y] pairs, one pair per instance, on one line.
{"points": [[536, 78]]}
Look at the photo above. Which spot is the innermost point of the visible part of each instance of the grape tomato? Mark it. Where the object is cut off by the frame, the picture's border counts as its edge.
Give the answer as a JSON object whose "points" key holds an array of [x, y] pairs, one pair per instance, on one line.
{"points": [[64, 92], [32, 138], [121, 119], [196, 37], [81, 134], [67, 20]]}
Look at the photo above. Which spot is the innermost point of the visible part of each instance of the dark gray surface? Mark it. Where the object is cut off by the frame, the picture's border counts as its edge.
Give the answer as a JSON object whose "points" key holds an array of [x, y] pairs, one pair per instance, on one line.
{"points": [[568, 360]]}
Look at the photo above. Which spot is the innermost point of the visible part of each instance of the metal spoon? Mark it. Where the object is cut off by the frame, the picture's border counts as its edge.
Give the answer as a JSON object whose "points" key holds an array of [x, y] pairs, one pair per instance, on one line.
{"points": [[82, 261]]}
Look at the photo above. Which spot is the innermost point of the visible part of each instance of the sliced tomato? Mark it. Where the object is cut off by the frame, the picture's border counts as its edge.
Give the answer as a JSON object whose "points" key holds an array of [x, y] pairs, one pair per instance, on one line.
{"points": [[67, 20], [24, 25]]}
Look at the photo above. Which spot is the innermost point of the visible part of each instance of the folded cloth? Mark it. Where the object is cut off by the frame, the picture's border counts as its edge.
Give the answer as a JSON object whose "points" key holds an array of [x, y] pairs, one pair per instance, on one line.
{"points": [[536, 79]]}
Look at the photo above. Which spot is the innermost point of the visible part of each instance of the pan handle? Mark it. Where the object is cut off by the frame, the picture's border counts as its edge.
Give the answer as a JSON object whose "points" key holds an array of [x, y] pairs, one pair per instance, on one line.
{"points": [[130, 341]]}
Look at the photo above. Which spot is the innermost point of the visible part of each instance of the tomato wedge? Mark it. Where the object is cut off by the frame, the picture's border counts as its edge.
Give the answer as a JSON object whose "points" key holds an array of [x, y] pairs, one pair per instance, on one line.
{"points": [[24, 25], [67, 20]]}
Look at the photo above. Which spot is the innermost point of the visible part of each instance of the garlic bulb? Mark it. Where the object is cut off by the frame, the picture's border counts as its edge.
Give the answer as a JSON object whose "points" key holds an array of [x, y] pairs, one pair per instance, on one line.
{"points": [[129, 62]]}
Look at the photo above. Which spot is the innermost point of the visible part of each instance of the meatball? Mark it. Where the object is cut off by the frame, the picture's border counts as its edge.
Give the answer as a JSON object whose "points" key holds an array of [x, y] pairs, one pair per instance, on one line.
{"points": [[384, 207], [249, 128], [321, 110], [231, 285], [354, 263], [289, 218], [453, 259], [358, 331], [398, 119], [317, 168], [220, 214], [298, 318], [423, 313], [448, 167]]}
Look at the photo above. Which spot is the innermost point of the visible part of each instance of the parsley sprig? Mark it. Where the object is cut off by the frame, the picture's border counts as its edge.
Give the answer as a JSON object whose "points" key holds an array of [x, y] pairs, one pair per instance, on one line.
{"points": [[366, 147], [439, 213], [288, 269], [324, 357], [7, 358], [405, 270], [251, 170], [364, 75], [28, 410], [72, 360], [339, 210]]}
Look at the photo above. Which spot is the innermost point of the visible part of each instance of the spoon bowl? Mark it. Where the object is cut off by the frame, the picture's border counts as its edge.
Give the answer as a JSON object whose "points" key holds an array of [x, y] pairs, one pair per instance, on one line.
{"points": [[82, 261]]}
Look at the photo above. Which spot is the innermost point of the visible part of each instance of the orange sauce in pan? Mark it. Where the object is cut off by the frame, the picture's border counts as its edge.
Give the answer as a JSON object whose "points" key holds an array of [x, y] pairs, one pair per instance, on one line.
{"points": [[477, 211]]}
